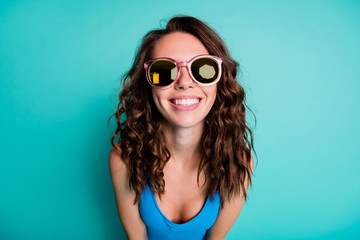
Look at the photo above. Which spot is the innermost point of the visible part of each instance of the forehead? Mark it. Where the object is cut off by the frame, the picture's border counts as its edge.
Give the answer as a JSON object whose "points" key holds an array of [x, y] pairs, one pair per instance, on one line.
{"points": [[179, 46]]}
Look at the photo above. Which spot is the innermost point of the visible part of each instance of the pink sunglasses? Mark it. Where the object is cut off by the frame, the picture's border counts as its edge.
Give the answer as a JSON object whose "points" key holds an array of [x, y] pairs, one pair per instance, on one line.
{"points": [[205, 70]]}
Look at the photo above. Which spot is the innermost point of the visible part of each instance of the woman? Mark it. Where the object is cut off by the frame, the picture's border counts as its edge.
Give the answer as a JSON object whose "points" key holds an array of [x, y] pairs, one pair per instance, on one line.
{"points": [[182, 165]]}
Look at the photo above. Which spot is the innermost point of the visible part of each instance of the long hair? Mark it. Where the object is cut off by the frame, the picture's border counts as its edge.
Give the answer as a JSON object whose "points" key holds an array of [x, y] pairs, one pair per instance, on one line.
{"points": [[227, 140]]}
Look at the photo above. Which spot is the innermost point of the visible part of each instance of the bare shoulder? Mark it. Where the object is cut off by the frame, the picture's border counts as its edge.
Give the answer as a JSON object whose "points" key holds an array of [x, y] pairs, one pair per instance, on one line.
{"points": [[124, 196], [231, 210], [118, 172], [251, 161], [116, 164]]}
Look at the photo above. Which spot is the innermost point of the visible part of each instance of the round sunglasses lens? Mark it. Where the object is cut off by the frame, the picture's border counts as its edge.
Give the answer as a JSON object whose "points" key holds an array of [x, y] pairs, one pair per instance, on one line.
{"points": [[205, 70], [162, 73]]}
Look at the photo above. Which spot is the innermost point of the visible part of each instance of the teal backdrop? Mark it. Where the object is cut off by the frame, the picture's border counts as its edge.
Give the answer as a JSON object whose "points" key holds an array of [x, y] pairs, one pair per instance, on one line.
{"points": [[60, 68]]}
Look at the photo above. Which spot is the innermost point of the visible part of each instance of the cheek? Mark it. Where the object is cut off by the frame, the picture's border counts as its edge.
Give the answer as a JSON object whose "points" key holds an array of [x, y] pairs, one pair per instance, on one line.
{"points": [[156, 97], [212, 93], [212, 97]]}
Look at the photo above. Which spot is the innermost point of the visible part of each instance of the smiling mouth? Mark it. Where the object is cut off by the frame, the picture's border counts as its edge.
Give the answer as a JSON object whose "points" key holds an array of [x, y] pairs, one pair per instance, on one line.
{"points": [[185, 102]]}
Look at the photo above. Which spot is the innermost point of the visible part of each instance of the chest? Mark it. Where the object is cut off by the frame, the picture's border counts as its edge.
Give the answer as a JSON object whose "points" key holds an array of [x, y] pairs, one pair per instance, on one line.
{"points": [[191, 226], [184, 198]]}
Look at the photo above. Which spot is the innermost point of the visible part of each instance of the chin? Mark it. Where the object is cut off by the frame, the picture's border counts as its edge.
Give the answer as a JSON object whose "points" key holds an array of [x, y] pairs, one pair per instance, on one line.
{"points": [[187, 123]]}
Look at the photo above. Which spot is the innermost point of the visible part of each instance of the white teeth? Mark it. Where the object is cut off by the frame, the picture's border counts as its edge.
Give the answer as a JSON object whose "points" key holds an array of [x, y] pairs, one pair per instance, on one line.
{"points": [[186, 102]]}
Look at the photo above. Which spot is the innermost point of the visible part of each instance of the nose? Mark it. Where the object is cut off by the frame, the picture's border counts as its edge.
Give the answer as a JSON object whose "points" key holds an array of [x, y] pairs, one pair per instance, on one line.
{"points": [[184, 81]]}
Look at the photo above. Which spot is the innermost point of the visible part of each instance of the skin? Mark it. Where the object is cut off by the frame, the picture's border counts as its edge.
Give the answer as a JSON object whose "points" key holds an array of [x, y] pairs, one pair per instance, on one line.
{"points": [[183, 198]]}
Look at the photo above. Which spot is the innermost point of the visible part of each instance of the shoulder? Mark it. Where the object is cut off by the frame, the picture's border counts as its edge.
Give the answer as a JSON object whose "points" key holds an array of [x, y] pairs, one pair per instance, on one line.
{"points": [[250, 161], [231, 209], [116, 163], [119, 176], [128, 211], [118, 171]]}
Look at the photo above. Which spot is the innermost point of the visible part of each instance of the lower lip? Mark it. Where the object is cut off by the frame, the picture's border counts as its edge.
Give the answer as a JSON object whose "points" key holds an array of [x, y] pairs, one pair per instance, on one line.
{"points": [[185, 108]]}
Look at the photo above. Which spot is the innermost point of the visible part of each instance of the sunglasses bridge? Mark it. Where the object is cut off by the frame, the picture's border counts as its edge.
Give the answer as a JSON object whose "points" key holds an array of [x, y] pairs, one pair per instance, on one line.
{"points": [[181, 64]]}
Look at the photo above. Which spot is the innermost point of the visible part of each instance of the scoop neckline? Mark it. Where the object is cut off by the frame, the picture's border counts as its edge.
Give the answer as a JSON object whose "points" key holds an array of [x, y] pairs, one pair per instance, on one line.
{"points": [[179, 225]]}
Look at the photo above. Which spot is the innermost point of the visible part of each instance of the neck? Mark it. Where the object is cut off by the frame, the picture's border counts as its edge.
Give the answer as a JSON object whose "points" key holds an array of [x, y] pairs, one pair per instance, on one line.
{"points": [[184, 144]]}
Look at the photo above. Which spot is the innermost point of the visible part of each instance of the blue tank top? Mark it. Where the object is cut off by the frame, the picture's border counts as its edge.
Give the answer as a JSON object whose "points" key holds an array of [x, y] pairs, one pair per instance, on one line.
{"points": [[158, 226]]}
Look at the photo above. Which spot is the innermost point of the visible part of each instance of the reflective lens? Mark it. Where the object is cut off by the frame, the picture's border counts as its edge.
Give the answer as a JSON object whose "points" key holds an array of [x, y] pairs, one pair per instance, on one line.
{"points": [[162, 73], [205, 70]]}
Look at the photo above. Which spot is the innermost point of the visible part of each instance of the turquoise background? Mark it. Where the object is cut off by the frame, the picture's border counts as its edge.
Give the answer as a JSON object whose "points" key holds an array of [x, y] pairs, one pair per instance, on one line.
{"points": [[60, 65]]}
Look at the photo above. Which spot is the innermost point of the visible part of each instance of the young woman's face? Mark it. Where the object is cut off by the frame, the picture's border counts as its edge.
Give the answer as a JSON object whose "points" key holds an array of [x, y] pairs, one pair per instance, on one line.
{"points": [[185, 104]]}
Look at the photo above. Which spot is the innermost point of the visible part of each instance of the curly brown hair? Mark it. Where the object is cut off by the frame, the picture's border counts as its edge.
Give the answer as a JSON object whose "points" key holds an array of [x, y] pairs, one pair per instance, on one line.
{"points": [[227, 140]]}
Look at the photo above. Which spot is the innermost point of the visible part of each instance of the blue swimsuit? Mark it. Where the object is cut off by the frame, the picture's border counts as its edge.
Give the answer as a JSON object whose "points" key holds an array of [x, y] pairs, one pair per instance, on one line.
{"points": [[159, 227]]}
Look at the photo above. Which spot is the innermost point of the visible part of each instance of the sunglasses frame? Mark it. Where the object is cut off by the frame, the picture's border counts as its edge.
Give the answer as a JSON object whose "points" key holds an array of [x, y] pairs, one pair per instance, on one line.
{"points": [[187, 64]]}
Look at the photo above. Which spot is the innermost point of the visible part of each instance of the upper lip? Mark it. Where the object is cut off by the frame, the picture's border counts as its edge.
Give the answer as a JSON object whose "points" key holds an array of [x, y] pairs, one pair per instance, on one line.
{"points": [[184, 97]]}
